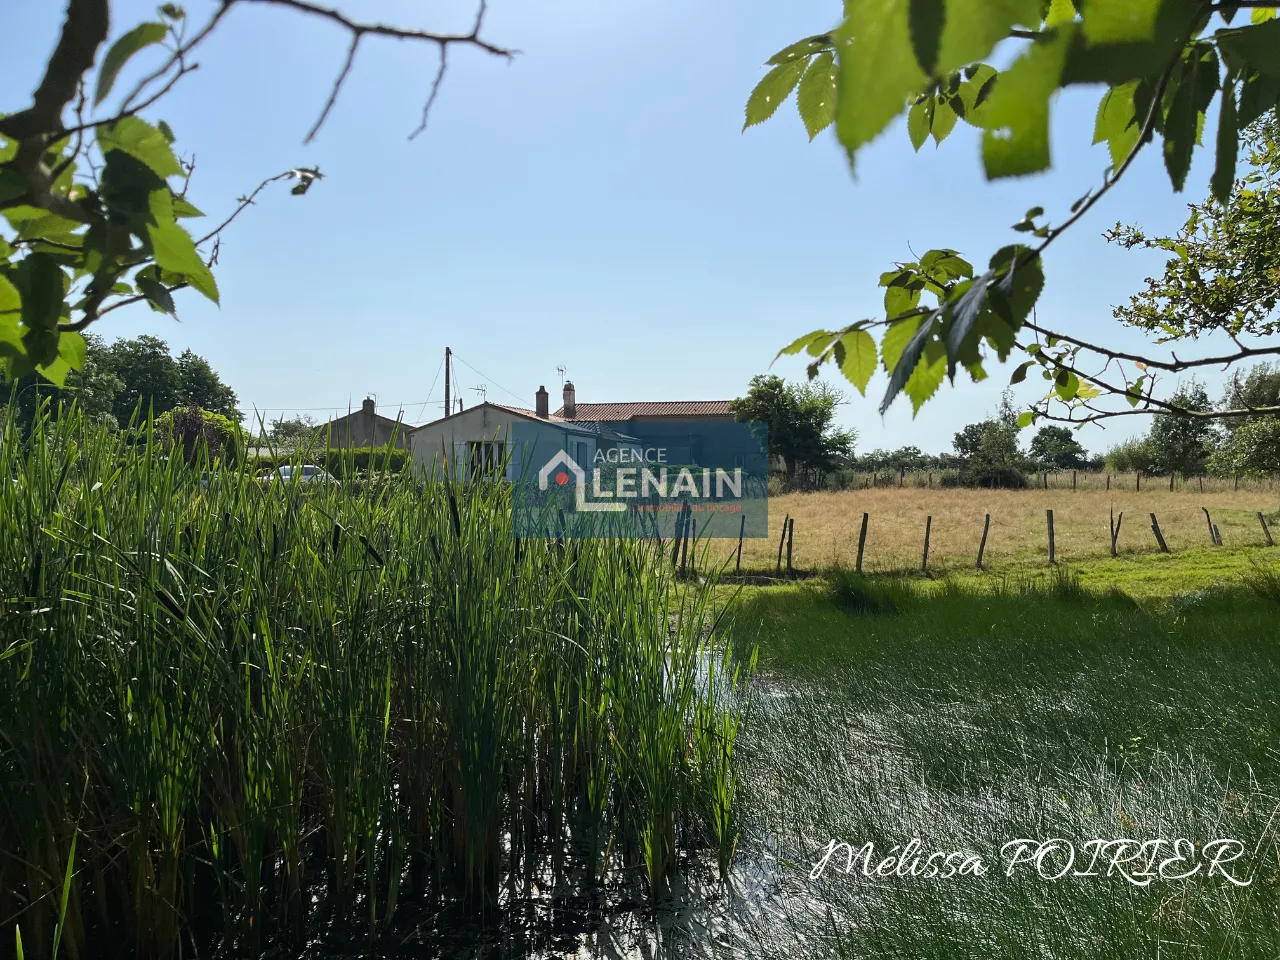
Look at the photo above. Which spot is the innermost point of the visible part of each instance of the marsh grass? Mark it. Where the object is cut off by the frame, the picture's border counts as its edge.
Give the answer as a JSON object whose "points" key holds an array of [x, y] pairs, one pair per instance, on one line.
{"points": [[248, 714], [973, 716]]}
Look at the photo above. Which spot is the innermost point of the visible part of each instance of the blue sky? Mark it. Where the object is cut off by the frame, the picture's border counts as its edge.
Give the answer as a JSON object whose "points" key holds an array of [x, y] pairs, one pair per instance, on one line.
{"points": [[592, 204]]}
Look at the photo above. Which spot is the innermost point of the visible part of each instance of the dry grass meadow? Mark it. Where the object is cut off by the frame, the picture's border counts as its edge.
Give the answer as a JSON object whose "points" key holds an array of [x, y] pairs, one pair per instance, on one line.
{"points": [[827, 525]]}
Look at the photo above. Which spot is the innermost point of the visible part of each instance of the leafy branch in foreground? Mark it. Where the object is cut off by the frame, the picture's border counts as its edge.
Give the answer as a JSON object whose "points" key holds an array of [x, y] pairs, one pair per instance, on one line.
{"points": [[94, 206], [1163, 70]]}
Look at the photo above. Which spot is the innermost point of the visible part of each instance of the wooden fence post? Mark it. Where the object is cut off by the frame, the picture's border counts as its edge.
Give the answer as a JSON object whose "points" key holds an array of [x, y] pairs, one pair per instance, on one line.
{"points": [[1213, 539], [982, 547], [1237, 481], [1044, 478], [1217, 535], [791, 535], [1049, 517], [1171, 475], [1201, 484], [924, 562], [1115, 529], [1108, 481], [684, 550], [675, 540], [1155, 528], [781, 542], [742, 529], [1137, 481], [862, 540], [1073, 479], [930, 479], [1265, 532], [902, 477]]}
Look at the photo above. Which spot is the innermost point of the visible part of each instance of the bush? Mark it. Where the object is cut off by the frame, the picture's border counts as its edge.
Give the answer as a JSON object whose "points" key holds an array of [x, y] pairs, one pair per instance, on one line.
{"points": [[1130, 456], [990, 477], [193, 427]]}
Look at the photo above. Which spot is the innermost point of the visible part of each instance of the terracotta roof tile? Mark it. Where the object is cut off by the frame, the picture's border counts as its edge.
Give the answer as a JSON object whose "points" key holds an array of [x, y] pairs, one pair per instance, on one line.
{"points": [[617, 412]]}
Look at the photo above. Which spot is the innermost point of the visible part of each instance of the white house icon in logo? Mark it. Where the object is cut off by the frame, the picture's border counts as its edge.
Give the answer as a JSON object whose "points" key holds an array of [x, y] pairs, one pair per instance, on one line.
{"points": [[579, 482]]}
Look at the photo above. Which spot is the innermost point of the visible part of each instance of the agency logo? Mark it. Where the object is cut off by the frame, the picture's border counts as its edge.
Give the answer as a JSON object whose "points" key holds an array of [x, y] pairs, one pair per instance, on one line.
{"points": [[565, 462], [629, 479]]}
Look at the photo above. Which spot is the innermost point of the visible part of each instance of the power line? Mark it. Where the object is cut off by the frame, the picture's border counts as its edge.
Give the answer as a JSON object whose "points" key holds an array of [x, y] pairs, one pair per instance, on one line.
{"points": [[490, 379]]}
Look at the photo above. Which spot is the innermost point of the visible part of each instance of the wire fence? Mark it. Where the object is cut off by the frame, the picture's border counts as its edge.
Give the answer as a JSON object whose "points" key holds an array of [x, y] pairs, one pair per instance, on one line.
{"points": [[1042, 480]]}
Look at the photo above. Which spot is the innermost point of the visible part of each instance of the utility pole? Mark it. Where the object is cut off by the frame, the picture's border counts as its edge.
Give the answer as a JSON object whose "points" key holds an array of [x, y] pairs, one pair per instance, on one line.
{"points": [[448, 407]]}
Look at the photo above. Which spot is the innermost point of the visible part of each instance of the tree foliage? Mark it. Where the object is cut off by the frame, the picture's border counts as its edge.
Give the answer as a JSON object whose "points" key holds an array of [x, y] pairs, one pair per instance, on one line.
{"points": [[1056, 448], [1224, 272], [1163, 64], [1183, 444], [801, 420]]}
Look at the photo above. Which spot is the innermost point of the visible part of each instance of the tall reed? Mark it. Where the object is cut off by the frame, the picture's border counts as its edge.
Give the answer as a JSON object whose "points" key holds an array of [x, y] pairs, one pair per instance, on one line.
{"points": [[232, 713]]}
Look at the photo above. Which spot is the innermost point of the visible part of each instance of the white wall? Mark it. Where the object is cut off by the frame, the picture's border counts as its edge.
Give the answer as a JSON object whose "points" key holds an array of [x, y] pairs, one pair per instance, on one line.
{"points": [[479, 424]]}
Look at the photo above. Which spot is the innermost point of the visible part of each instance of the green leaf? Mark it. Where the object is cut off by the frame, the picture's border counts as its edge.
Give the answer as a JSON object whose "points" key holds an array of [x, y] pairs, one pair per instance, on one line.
{"points": [[10, 300], [157, 294], [143, 35], [945, 265], [1060, 12], [182, 207], [43, 286], [1262, 14], [878, 67], [1019, 289], [1182, 122], [1224, 173], [769, 93], [896, 337], [801, 49], [926, 19], [1020, 372], [899, 300], [1120, 21], [72, 348], [1117, 122], [175, 250], [141, 141], [166, 131], [1026, 419], [902, 367], [1258, 46], [1067, 386], [919, 122], [803, 343], [944, 120], [928, 375], [859, 361], [1016, 117], [55, 371], [816, 98]]}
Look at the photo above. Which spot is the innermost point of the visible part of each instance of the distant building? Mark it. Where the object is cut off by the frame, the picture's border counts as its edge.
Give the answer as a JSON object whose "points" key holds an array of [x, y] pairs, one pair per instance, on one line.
{"points": [[476, 439], [364, 428]]}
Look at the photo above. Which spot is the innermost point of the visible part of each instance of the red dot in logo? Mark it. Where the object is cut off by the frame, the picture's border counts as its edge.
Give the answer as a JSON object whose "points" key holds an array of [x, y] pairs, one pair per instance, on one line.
{"points": [[562, 478]]}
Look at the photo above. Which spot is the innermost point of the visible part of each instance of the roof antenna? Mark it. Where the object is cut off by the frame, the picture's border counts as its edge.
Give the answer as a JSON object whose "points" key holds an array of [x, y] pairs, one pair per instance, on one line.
{"points": [[562, 372], [483, 390]]}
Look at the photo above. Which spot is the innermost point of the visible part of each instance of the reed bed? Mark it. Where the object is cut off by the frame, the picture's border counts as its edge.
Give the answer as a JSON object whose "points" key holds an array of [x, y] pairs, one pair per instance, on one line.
{"points": [[236, 715]]}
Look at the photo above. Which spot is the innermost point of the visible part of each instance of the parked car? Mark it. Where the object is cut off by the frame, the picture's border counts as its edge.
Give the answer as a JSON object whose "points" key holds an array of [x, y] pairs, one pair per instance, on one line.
{"points": [[307, 473]]}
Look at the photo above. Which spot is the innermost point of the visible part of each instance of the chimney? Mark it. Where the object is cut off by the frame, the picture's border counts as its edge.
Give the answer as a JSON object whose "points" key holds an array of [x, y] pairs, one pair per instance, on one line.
{"points": [[541, 403], [570, 404], [369, 407]]}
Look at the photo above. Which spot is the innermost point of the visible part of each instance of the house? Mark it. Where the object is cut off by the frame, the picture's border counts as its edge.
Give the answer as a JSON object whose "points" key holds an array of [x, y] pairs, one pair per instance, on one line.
{"points": [[478, 439], [663, 423], [363, 428]]}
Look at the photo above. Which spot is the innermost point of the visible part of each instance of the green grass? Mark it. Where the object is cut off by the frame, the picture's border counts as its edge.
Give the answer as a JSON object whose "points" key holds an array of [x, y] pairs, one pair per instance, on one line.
{"points": [[970, 714], [244, 715]]}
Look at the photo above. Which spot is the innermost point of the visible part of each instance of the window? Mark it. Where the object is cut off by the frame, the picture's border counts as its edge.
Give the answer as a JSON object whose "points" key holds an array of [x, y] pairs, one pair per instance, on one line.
{"points": [[486, 457]]}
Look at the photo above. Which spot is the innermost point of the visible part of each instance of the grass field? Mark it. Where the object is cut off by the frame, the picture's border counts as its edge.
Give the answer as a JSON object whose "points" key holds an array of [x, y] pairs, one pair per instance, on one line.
{"points": [[968, 718], [827, 526]]}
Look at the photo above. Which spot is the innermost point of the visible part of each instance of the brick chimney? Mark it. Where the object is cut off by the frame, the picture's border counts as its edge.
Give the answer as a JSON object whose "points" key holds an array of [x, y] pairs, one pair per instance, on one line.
{"points": [[541, 403], [570, 403]]}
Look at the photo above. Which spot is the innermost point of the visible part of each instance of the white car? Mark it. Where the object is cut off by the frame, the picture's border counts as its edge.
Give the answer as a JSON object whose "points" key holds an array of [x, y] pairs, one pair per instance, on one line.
{"points": [[308, 473]]}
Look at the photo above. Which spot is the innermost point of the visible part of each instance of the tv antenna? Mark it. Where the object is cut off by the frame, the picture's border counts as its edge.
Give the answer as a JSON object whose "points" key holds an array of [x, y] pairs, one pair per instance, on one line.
{"points": [[482, 390], [562, 372]]}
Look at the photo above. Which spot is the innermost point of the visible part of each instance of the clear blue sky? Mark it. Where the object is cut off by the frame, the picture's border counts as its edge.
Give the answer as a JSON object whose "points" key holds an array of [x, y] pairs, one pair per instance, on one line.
{"points": [[593, 205]]}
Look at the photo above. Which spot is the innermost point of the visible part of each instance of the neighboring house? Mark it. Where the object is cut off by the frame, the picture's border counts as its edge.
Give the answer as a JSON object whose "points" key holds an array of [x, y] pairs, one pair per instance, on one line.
{"points": [[364, 428]]}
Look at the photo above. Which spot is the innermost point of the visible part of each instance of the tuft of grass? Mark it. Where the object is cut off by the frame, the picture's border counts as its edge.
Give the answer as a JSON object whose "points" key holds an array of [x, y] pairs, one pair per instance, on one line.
{"points": [[236, 715], [979, 713]]}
